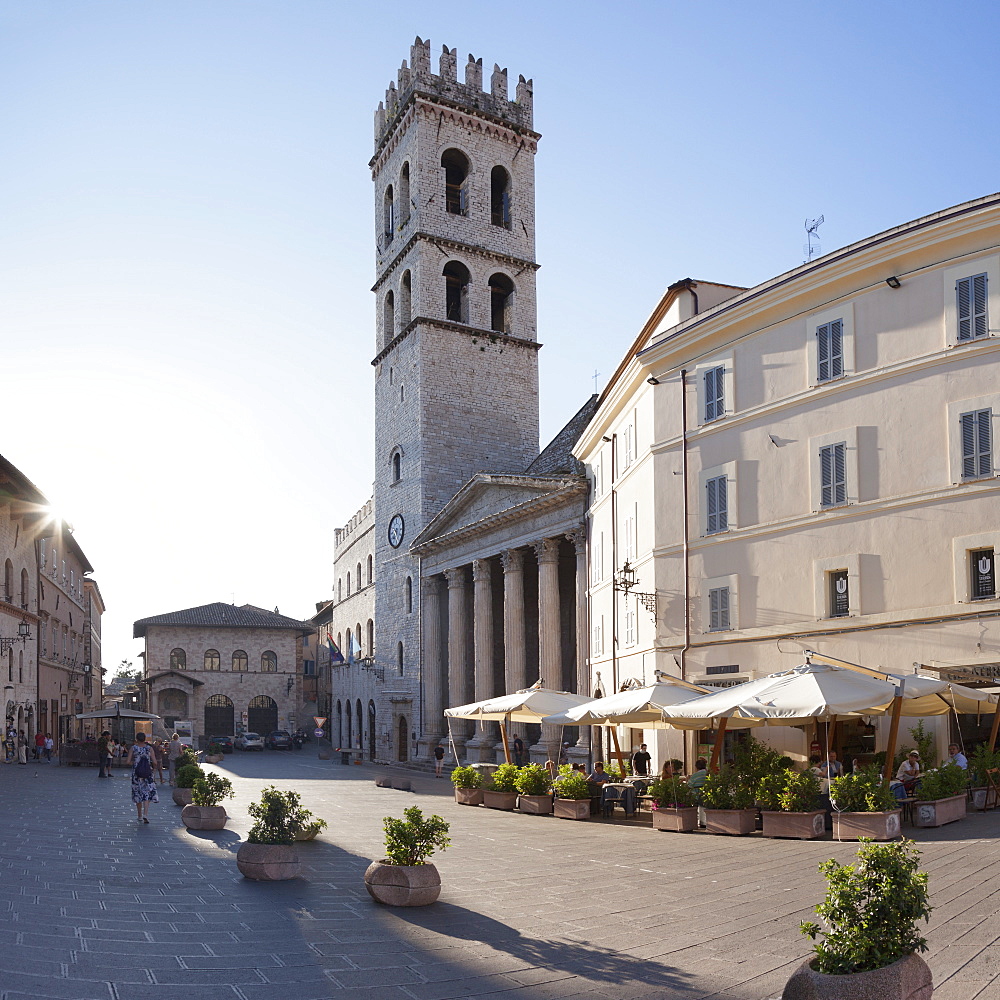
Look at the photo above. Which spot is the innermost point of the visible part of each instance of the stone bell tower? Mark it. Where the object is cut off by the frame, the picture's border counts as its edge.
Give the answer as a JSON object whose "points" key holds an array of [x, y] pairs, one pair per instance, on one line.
{"points": [[456, 364]]}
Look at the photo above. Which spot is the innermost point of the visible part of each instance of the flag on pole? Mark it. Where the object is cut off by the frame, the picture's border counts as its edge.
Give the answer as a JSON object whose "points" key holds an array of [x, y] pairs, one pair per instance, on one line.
{"points": [[336, 656], [354, 648]]}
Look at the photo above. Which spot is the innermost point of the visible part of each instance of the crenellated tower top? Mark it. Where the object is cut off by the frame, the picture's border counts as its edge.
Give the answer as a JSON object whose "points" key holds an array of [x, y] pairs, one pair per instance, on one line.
{"points": [[416, 79]]}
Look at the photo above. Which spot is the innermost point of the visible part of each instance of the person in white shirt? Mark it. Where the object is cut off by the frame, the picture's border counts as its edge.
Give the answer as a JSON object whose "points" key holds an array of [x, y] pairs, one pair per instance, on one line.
{"points": [[955, 756], [909, 771]]}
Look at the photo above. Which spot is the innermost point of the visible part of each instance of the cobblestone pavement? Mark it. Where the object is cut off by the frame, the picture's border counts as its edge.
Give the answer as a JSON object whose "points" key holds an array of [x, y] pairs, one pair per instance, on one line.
{"points": [[95, 907]]}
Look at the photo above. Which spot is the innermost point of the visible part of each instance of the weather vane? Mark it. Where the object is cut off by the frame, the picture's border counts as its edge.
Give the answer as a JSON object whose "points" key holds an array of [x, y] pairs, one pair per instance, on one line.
{"points": [[812, 249]]}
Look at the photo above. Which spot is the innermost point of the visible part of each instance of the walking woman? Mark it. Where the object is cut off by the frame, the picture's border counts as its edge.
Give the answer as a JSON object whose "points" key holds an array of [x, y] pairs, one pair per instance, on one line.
{"points": [[140, 757]]}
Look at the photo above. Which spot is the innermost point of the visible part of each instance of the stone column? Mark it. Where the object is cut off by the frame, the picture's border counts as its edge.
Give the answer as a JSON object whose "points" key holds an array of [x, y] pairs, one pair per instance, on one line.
{"points": [[485, 737], [458, 681], [549, 645], [433, 668], [514, 652], [580, 753]]}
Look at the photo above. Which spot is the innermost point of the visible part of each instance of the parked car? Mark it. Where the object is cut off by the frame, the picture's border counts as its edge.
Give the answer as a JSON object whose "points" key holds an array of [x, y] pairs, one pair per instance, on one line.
{"points": [[249, 741], [226, 742], [279, 740]]}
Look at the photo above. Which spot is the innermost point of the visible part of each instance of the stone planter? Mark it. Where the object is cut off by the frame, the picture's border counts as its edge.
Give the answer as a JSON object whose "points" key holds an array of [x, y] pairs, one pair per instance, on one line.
{"points": [[907, 979], [400, 784], [268, 862], [469, 796], [535, 805], [383, 781], [214, 758], [309, 834], [797, 826], [572, 808], [979, 798], [499, 800], [937, 812], [325, 754], [877, 826], [182, 796], [680, 820], [732, 822], [402, 885], [204, 817]]}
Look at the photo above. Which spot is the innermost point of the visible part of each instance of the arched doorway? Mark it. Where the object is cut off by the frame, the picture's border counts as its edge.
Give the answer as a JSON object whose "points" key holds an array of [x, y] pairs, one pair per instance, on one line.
{"points": [[350, 729], [340, 724], [403, 740], [358, 715], [262, 715], [172, 705], [371, 730], [219, 716]]}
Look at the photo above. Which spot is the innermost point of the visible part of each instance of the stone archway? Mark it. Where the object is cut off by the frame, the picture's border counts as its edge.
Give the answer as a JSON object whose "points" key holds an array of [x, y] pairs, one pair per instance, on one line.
{"points": [[171, 706], [219, 716], [402, 740], [262, 715]]}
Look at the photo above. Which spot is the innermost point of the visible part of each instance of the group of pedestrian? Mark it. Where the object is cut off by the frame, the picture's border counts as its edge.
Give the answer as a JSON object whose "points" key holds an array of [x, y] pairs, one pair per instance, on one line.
{"points": [[17, 744]]}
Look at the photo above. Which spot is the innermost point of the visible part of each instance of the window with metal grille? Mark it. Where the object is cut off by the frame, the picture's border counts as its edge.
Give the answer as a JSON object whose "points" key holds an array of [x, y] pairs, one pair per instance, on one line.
{"points": [[977, 444], [970, 294], [839, 595], [718, 609], [830, 350], [833, 474], [715, 401], [982, 563], [717, 505], [727, 668]]}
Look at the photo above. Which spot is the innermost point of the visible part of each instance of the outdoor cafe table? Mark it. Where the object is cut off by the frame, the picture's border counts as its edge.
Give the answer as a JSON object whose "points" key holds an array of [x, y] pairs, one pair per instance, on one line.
{"points": [[619, 793]]}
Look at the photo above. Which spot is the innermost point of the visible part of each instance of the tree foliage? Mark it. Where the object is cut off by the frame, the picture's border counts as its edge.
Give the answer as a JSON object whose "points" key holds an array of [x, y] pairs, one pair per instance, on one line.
{"points": [[411, 841]]}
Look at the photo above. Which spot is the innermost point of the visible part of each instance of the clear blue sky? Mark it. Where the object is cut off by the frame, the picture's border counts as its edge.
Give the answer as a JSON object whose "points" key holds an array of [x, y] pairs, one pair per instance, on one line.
{"points": [[186, 245]]}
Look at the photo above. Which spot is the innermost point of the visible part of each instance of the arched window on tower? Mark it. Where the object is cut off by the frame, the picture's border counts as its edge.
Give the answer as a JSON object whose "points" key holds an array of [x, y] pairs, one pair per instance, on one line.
{"points": [[399, 658], [389, 317], [500, 197], [371, 637], [371, 574], [501, 303], [359, 579], [408, 595], [8, 581], [456, 277], [348, 584], [397, 466], [404, 194], [389, 214], [405, 301], [456, 181], [24, 589]]}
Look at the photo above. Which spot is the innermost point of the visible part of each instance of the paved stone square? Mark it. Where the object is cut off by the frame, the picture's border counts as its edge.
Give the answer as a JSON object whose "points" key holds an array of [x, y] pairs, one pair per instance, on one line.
{"points": [[95, 907]]}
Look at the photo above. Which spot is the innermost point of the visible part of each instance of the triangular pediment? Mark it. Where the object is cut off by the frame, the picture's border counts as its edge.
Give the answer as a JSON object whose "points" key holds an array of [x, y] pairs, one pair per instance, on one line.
{"points": [[486, 497]]}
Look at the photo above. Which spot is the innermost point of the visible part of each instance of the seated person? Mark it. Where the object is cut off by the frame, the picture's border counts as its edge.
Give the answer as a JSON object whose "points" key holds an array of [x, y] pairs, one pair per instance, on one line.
{"points": [[955, 756], [909, 771], [598, 776], [697, 778], [831, 767]]}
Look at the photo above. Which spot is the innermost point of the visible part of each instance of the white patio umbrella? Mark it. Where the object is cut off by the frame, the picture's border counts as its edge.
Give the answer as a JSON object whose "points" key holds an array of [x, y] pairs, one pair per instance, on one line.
{"points": [[117, 712], [530, 705]]}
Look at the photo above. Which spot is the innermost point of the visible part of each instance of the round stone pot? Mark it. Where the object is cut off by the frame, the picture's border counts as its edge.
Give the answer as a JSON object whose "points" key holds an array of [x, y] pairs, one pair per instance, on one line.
{"points": [[268, 862], [214, 758], [306, 834], [402, 885], [182, 796], [204, 817], [907, 979]]}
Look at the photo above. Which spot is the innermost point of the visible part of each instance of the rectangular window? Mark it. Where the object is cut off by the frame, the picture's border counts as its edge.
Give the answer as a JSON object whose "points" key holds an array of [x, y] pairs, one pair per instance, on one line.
{"points": [[970, 294], [728, 668], [982, 563], [830, 350], [977, 446], [718, 609], [630, 630], [717, 505], [597, 558], [839, 596], [715, 401], [627, 448], [833, 474], [598, 640], [629, 546]]}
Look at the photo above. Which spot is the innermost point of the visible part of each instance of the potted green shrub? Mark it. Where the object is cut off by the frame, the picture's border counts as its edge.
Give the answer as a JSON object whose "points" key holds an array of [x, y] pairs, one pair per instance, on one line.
{"points": [[572, 796], [871, 938], [405, 877], [729, 803], [306, 825], [206, 811], [863, 808], [269, 853], [534, 783], [675, 805], [187, 775], [468, 784], [981, 760], [788, 805], [941, 796], [214, 754], [501, 792]]}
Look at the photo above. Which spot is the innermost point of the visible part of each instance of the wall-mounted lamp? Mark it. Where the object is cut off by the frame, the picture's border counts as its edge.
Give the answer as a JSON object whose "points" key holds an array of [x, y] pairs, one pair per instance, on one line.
{"points": [[607, 440], [893, 282], [23, 635], [653, 380]]}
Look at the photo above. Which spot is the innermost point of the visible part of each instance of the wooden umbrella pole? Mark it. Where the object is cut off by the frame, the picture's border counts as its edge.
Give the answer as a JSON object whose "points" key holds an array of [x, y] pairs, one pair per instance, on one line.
{"points": [[890, 749], [618, 750], [717, 749], [996, 725], [503, 736]]}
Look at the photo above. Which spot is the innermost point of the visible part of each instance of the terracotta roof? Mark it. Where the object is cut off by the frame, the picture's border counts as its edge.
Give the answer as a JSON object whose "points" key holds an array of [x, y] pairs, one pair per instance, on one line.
{"points": [[221, 616], [557, 456]]}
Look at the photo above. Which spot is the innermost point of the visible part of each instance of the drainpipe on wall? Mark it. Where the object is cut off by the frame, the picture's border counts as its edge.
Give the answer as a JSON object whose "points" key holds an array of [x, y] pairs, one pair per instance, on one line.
{"points": [[684, 525]]}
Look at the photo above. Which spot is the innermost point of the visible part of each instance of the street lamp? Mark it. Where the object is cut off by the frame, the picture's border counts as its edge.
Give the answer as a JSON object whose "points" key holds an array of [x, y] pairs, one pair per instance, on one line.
{"points": [[626, 580], [23, 635]]}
